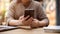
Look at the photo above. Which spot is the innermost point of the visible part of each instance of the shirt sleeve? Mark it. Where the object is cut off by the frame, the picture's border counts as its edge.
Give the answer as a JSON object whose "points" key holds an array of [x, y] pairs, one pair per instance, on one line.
{"points": [[10, 13], [41, 15]]}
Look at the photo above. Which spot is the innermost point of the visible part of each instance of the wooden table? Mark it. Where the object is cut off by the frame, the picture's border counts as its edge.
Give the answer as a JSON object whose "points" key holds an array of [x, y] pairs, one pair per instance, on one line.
{"points": [[23, 31]]}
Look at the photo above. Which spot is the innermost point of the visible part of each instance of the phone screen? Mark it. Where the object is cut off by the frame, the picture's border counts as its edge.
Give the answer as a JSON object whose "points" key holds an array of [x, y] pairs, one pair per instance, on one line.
{"points": [[29, 12]]}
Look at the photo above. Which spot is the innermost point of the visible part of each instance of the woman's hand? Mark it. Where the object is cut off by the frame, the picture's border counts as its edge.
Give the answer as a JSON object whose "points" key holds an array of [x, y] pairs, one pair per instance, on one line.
{"points": [[35, 23], [25, 22]]}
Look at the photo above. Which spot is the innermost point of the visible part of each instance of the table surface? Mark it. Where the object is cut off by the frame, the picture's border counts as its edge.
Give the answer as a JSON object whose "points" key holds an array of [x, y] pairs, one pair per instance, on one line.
{"points": [[24, 31]]}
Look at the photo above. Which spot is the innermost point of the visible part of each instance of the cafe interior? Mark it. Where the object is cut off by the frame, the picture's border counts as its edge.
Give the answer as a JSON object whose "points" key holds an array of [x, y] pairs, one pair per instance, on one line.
{"points": [[49, 7]]}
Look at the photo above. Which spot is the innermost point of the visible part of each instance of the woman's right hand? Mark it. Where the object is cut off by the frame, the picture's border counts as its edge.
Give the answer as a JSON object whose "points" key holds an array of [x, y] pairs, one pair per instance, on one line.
{"points": [[25, 22]]}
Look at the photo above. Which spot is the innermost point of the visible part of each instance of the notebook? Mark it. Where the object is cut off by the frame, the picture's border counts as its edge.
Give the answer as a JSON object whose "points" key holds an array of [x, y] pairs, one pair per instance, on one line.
{"points": [[52, 29], [5, 28]]}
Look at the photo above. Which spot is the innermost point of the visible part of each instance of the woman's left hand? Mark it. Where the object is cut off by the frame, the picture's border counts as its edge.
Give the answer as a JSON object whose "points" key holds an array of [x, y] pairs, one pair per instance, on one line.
{"points": [[35, 23]]}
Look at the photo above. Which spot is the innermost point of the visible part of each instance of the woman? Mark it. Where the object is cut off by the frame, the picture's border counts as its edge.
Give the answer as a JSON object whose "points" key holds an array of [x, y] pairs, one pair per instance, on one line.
{"points": [[14, 15]]}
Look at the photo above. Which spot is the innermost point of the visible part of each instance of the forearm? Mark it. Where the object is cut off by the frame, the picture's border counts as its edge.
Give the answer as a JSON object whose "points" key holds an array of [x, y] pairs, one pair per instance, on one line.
{"points": [[15, 23], [44, 22]]}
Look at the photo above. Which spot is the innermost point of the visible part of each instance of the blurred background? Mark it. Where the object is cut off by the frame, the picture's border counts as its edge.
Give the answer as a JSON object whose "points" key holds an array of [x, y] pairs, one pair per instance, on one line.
{"points": [[49, 7]]}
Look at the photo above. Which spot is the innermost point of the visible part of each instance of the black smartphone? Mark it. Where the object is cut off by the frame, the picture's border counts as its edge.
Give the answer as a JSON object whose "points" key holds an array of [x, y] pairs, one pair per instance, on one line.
{"points": [[29, 12]]}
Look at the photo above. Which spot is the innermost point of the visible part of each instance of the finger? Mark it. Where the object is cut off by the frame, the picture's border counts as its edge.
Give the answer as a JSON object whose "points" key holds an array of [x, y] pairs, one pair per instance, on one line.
{"points": [[26, 17], [21, 17], [30, 19], [35, 19]]}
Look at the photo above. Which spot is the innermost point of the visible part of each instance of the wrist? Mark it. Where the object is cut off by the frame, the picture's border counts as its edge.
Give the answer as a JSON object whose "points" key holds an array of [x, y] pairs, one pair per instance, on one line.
{"points": [[41, 23], [20, 23]]}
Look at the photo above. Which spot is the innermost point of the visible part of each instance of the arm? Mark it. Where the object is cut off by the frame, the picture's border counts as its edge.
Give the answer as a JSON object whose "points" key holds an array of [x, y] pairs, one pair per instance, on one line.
{"points": [[41, 16], [10, 18], [41, 19], [10, 15]]}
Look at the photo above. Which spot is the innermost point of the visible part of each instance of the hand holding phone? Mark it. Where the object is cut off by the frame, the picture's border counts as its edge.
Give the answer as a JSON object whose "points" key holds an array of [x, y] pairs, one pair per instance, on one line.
{"points": [[29, 12]]}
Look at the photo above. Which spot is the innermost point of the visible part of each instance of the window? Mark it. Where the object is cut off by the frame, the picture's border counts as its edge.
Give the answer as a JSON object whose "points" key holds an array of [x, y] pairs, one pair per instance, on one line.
{"points": [[50, 8]]}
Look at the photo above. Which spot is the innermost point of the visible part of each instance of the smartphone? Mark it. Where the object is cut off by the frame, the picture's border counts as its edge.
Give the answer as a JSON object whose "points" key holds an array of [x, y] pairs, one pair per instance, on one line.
{"points": [[29, 12]]}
